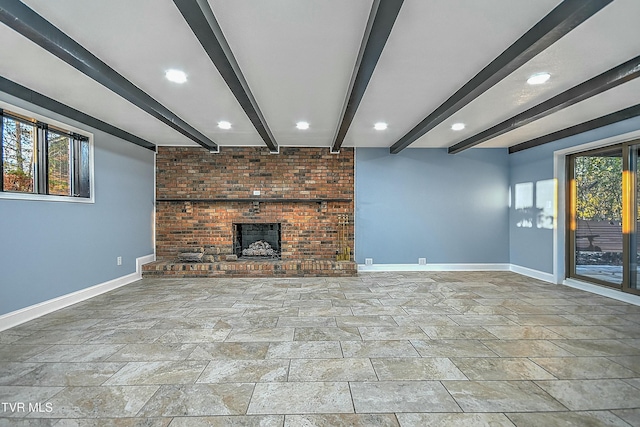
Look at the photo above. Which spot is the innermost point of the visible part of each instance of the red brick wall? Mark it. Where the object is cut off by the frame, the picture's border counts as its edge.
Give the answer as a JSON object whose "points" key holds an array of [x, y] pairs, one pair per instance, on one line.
{"points": [[309, 230]]}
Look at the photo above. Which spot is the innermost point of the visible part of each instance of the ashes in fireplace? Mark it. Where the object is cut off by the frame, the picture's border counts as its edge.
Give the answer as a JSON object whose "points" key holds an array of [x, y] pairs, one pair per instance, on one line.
{"points": [[256, 240]]}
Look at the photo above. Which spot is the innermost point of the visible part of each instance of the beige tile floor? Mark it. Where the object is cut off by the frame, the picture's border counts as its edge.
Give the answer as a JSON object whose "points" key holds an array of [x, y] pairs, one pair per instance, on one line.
{"points": [[382, 349]]}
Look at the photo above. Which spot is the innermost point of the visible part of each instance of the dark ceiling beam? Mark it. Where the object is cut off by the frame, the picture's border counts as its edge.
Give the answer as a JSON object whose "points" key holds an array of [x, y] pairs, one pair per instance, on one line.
{"points": [[557, 23], [618, 116], [26, 94], [609, 79], [25, 21], [381, 20], [204, 25]]}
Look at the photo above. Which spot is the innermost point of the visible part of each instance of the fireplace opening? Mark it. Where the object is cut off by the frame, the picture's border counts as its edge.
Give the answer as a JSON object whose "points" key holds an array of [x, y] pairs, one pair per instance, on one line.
{"points": [[257, 241]]}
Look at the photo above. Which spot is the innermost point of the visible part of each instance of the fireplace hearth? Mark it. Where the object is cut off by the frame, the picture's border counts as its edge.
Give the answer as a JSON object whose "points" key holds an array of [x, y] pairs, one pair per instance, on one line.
{"points": [[209, 204], [257, 240]]}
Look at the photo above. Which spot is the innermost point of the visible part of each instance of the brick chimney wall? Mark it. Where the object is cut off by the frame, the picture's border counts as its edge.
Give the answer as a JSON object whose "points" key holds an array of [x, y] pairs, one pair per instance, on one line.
{"points": [[309, 229]]}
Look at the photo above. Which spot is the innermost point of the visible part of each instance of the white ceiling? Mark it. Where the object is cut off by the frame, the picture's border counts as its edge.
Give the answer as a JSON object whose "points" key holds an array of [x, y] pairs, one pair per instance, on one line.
{"points": [[298, 57], [606, 40]]}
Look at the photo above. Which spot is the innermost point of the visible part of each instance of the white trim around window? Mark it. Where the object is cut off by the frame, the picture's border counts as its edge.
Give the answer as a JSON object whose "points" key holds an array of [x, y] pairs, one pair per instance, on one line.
{"points": [[61, 125]]}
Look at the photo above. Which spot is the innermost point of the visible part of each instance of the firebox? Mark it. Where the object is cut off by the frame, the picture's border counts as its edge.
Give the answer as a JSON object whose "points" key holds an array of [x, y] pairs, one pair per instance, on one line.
{"points": [[261, 240]]}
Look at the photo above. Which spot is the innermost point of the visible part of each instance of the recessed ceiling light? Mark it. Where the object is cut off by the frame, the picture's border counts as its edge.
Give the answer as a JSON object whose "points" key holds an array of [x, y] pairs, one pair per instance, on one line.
{"points": [[538, 79], [302, 125], [457, 126], [224, 125], [176, 76], [380, 126]]}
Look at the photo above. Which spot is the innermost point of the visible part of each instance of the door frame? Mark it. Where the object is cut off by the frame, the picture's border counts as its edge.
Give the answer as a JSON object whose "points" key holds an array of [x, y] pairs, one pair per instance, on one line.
{"points": [[570, 234], [559, 231]]}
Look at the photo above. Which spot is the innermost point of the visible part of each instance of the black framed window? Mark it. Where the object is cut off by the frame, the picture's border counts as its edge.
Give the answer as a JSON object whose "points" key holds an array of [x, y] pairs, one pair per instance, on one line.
{"points": [[19, 154], [39, 158]]}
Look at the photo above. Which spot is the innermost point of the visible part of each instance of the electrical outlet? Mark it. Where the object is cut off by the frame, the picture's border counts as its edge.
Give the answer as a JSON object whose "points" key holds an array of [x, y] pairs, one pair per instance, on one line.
{"points": [[119, 260], [368, 261], [422, 261]]}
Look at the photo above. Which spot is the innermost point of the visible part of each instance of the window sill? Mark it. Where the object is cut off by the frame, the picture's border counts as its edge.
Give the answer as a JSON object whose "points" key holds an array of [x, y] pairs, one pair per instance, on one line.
{"points": [[44, 197]]}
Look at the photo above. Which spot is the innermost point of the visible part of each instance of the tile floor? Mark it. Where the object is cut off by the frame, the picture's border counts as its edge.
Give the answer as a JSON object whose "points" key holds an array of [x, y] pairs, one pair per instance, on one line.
{"points": [[381, 349]]}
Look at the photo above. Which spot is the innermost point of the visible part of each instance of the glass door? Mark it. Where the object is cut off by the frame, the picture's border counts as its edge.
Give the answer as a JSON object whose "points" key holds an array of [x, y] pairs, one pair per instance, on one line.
{"points": [[603, 216], [633, 279], [596, 247]]}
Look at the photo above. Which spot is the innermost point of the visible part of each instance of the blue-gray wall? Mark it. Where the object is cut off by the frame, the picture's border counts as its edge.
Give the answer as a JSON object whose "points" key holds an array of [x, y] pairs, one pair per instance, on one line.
{"points": [[426, 203], [49, 249], [419, 203], [533, 247]]}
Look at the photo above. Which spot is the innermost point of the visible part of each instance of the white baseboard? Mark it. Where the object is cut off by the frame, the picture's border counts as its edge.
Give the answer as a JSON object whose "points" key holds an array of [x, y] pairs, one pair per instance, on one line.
{"points": [[142, 261], [603, 291], [18, 317], [432, 267], [536, 274], [525, 271], [23, 315], [578, 284]]}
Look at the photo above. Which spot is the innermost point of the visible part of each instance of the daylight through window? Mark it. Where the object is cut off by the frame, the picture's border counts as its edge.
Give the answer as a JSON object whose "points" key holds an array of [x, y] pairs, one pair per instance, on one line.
{"points": [[38, 158]]}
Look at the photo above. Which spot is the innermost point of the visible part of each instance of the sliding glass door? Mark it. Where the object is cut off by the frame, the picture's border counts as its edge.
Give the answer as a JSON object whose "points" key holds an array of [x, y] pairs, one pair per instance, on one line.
{"points": [[602, 243], [633, 239]]}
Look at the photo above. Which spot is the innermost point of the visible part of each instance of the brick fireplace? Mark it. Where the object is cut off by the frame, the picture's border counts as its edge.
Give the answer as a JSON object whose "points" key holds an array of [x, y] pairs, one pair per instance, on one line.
{"points": [[203, 198]]}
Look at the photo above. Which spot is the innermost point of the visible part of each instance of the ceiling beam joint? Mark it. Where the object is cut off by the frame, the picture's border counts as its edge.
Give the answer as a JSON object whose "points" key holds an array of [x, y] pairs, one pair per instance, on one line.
{"points": [[200, 18], [608, 80], [19, 17], [618, 116], [556, 24], [33, 97], [381, 20]]}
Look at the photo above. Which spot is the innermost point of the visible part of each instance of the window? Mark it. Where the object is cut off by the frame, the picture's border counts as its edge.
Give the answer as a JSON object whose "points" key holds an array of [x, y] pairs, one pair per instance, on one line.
{"points": [[43, 159], [58, 159], [18, 155]]}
